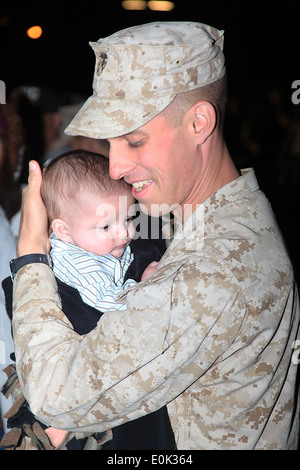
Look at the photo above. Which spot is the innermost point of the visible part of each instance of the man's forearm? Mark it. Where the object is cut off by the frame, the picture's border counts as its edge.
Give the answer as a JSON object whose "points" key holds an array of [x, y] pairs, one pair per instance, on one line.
{"points": [[67, 378]]}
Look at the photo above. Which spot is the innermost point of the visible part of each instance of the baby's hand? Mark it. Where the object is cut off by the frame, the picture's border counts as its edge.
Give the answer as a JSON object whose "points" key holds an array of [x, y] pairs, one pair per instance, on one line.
{"points": [[150, 270], [56, 436]]}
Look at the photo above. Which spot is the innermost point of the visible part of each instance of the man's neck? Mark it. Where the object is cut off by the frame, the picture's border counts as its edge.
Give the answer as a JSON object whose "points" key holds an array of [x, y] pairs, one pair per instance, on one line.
{"points": [[217, 172]]}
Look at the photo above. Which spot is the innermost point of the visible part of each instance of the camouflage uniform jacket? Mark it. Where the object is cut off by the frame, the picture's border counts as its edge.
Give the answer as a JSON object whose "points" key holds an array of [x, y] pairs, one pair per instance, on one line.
{"points": [[211, 333]]}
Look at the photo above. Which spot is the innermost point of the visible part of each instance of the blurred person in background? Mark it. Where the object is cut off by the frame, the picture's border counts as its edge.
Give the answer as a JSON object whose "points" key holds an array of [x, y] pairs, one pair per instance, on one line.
{"points": [[10, 199]]}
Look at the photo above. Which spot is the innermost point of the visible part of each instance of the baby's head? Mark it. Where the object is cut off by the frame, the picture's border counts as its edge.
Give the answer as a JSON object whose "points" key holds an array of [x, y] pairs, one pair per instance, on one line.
{"points": [[85, 206]]}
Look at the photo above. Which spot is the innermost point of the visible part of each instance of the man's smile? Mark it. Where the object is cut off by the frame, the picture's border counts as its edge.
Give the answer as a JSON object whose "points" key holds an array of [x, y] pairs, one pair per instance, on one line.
{"points": [[139, 185]]}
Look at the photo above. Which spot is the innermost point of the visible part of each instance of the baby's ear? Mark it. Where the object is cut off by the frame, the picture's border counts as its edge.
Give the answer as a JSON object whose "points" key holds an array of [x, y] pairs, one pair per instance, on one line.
{"points": [[61, 230]]}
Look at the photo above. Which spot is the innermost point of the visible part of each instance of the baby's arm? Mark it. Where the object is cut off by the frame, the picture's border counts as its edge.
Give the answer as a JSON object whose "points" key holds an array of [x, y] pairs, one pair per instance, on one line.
{"points": [[151, 268]]}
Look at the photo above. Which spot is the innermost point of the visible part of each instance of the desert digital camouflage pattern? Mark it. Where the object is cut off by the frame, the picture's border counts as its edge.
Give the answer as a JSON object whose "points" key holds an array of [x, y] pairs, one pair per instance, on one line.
{"points": [[210, 333], [140, 70]]}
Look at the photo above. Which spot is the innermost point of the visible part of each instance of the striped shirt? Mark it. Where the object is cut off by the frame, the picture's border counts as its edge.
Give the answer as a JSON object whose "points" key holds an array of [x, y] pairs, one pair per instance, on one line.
{"points": [[99, 279]]}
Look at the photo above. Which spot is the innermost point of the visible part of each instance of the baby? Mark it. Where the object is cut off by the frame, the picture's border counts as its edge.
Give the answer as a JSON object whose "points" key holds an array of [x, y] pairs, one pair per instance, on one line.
{"points": [[91, 219]]}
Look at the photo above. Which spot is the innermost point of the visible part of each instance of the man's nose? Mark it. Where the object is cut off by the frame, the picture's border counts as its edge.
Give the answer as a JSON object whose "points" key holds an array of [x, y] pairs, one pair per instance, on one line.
{"points": [[120, 164]]}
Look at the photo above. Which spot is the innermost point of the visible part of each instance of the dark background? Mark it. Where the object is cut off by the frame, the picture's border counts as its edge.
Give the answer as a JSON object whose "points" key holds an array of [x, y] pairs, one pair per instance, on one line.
{"points": [[262, 49], [261, 38]]}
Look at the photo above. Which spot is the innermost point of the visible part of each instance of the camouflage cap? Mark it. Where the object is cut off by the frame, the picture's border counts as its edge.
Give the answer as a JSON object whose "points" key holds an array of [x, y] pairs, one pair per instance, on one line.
{"points": [[141, 69]]}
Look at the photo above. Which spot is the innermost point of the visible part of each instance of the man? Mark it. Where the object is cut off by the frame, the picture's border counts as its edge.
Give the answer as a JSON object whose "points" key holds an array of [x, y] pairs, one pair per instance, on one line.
{"points": [[211, 332]]}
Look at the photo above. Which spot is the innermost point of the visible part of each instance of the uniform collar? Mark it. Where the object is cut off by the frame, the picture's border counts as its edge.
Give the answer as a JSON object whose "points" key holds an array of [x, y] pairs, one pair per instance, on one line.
{"points": [[233, 191]]}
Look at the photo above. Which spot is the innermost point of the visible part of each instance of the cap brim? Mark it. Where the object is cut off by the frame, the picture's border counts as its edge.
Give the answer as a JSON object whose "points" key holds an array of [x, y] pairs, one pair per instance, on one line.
{"points": [[100, 118]]}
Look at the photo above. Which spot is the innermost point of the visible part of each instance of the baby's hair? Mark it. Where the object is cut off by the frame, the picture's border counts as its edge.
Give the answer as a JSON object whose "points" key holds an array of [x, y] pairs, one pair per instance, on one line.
{"points": [[69, 174]]}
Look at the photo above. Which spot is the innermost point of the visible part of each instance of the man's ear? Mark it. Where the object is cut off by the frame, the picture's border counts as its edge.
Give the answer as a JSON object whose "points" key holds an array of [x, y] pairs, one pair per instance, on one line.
{"points": [[204, 120], [61, 230]]}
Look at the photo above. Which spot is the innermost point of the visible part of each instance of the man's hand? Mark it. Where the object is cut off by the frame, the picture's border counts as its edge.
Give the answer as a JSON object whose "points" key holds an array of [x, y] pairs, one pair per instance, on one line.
{"points": [[56, 436], [33, 233]]}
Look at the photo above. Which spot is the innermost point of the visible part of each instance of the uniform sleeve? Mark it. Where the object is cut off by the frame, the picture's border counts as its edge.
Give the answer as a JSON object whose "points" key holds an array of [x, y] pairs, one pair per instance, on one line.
{"points": [[134, 361]]}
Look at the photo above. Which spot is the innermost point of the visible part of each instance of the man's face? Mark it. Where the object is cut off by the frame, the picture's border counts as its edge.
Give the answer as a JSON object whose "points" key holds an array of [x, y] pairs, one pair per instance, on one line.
{"points": [[161, 163]]}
